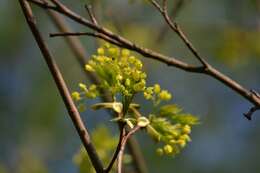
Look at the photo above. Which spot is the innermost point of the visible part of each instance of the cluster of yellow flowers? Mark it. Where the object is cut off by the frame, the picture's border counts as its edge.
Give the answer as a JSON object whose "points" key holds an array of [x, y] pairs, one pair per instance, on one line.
{"points": [[119, 71], [176, 140], [89, 92], [121, 75], [156, 94]]}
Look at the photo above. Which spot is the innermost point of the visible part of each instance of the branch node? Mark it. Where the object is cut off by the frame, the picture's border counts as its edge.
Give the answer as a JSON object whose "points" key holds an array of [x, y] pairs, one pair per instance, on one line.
{"points": [[250, 113], [254, 92], [91, 14]]}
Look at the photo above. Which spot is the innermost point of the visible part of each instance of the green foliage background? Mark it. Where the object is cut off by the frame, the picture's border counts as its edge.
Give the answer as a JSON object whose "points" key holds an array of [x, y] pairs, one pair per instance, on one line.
{"points": [[36, 135]]}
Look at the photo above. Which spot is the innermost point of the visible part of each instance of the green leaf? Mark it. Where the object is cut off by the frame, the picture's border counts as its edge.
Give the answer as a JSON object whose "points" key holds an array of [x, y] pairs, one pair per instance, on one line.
{"points": [[142, 121], [129, 123], [169, 110], [153, 133], [134, 105], [116, 106], [185, 119]]}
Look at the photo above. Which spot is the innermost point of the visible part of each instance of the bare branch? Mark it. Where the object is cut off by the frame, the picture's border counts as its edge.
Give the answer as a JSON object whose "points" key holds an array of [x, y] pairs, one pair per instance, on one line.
{"points": [[157, 5], [173, 14], [252, 110], [126, 43], [171, 61], [175, 27], [91, 14], [62, 87], [97, 35], [44, 4]]}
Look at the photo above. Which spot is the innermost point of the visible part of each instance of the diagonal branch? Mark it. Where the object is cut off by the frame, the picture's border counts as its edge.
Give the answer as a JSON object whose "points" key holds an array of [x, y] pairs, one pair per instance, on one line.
{"points": [[176, 28], [171, 61], [173, 14], [97, 35], [61, 85], [91, 14]]}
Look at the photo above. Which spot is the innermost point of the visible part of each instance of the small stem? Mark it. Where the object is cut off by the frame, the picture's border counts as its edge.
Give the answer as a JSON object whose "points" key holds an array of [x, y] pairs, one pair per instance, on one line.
{"points": [[91, 14], [173, 14], [122, 148], [122, 134]]}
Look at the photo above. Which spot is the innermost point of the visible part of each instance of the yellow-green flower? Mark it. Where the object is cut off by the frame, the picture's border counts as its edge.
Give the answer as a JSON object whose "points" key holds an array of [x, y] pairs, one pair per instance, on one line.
{"points": [[125, 52], [165, 95], [168, 149], [186, 129], [100, 51], [76, 96], [89, 68], [182, 143], [83, 86], [157, 88], [159, 151]]}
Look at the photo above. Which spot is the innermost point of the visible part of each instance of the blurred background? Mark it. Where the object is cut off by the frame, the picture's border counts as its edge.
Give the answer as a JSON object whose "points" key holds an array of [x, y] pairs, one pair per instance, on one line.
{"points": [[36, 134]]}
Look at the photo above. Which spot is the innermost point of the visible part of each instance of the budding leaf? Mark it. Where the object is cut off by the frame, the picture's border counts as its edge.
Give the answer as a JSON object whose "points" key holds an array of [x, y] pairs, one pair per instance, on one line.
{"points": [[116, 106], [129, 123], [169, 110], [142, 121], [185, 119], [153, 133]]}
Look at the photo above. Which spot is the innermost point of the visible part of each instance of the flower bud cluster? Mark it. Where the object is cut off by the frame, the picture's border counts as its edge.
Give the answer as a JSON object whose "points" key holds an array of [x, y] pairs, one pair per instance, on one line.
{"points": [[156, 94], [121, 74], [119, 71], [174, 137], [90, 92]]}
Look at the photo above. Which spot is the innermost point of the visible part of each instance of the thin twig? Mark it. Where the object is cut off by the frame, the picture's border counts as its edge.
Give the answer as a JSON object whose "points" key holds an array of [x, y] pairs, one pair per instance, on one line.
{"points": [[173, 14], [252, 110], [122, 147], [91, 14], [73, 42], [96, 35], [176, 28], [171, 61], [62, 87], [122, 134]]}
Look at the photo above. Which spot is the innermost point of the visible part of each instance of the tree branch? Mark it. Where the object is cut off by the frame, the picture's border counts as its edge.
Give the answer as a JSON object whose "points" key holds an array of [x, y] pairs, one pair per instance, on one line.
{"points": [[173, 14], [91, 14], [61, 85], [97, 35], [171, 61], [176, 28]]}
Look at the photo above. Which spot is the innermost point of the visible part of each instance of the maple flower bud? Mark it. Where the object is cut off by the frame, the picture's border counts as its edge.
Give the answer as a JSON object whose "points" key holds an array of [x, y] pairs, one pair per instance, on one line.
{"points": [[159, 151], [89, 68], [76, 96], [186, 129], [101, 51], [168, 149], [165, 95]]}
